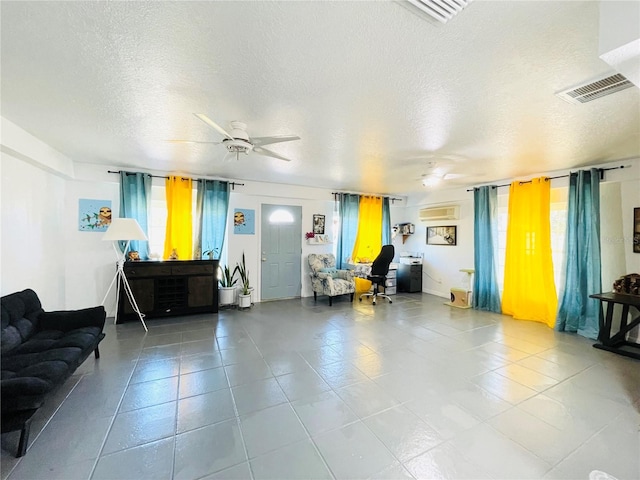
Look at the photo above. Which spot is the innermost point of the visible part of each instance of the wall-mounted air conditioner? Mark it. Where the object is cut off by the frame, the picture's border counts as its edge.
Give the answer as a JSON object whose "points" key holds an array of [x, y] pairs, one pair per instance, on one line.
{"points": [[445, 212]]}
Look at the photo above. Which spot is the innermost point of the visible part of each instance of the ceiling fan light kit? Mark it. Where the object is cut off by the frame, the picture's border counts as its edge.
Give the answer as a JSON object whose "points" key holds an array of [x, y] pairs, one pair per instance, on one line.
{"points": [[238, 141], [432, 179]]}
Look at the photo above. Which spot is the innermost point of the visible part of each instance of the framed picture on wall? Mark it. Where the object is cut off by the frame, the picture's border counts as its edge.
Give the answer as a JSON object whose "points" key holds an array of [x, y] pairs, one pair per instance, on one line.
{"points": [[636, 230], [244, 221], [445, 235], [318, 224], [94, 215]]}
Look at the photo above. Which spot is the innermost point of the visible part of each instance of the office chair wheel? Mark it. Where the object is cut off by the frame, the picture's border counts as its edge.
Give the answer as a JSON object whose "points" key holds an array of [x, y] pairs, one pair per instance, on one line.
{"points": [[390, 301], [360, 299], [374, 302]]}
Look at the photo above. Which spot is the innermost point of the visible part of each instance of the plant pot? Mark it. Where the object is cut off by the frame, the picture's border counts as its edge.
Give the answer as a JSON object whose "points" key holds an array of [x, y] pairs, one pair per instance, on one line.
{"points": [[244, 301], [227, 295]]}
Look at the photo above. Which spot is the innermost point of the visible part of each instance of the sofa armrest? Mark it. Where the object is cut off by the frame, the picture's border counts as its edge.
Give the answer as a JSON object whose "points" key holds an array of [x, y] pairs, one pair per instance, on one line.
{"points": [[66, 320]]}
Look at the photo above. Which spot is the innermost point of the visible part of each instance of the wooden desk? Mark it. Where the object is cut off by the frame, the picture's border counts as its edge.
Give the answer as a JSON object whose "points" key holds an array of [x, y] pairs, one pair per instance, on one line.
{"points": [[618, 343]]}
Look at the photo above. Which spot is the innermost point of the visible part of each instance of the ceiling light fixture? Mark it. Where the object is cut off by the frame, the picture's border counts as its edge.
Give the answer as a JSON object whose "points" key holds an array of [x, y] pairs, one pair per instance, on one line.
{"points": [[432, 179], [441, 10]]}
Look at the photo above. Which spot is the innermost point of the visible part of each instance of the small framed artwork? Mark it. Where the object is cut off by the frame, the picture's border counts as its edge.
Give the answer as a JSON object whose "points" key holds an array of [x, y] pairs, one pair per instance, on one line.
{"points": [[244, 221], [94, 215], [318, 224], [636, 230], [446, 235]]}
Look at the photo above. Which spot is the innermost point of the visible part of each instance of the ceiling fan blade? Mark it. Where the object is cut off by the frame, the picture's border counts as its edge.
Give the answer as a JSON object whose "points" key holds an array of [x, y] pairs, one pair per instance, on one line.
{"points": [[213, 125], [191, 141], [269, 153], [273, 139], [228, 157]]}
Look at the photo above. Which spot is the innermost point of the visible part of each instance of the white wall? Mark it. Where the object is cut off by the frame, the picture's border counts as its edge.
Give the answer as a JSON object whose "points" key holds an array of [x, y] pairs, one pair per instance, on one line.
{"points": [[442, 264], [33, 231], [252, 196]]}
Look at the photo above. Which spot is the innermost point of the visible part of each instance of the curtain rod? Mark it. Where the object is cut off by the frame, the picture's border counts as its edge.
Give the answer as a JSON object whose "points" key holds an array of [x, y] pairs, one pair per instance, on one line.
{"points": [[233, 184], [601, 170], [392, 199]]}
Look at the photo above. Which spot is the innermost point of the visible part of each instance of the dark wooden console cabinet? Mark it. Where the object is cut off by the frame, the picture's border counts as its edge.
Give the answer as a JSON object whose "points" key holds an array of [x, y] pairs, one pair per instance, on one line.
{"points": [[162, 289]]}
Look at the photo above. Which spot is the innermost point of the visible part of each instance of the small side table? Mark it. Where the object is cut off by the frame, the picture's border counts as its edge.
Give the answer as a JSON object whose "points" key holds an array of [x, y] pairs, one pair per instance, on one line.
{"points": [[618, 342]]}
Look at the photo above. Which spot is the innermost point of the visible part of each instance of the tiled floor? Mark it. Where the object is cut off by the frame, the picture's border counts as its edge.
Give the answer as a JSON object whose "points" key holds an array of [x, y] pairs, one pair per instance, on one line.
{"points": [[293, 389]]}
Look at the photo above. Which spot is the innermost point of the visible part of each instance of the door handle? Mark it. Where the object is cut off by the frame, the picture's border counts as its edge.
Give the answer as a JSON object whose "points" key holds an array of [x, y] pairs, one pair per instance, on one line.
{"points": [[264, 259]]}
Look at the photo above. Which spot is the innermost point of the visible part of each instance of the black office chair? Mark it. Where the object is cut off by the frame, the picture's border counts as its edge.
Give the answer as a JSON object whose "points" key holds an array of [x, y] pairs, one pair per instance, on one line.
{"points": [[378, 274]]}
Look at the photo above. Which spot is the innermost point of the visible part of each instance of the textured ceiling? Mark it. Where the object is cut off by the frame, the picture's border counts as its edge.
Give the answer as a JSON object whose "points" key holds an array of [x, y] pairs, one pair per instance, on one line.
{"points": [[374, 91]]}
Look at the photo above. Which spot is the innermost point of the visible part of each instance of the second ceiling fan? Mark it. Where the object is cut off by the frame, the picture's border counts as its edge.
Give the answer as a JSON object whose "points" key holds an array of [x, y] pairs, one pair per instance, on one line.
{"points": [[237, 140]]}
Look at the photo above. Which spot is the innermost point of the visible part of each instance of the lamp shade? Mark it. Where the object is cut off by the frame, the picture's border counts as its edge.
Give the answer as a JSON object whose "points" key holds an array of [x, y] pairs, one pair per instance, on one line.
{"points": [[124, 229]]}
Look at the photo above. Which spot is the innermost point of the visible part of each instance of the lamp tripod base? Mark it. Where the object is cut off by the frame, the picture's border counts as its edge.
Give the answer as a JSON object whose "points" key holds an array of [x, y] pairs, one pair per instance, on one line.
{"points": [[121, 279]]}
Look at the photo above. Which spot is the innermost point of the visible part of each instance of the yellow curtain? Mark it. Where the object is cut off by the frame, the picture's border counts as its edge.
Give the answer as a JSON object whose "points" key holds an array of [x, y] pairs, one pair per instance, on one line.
{"points": [[529, 288], [369, 237], [179, 221]]}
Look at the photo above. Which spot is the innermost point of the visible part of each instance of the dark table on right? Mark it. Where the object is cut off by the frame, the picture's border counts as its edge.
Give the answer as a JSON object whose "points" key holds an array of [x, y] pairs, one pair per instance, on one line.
{"points": [[618, 342]]}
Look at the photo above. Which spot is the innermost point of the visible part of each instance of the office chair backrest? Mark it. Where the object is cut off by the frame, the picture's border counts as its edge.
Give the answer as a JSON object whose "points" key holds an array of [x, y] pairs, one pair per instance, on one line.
{"points": [[381, 264]]}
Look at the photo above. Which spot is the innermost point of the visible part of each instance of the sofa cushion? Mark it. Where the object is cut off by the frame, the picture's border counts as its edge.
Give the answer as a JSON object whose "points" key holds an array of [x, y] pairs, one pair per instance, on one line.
{"points": [[19, 318], [82, 338]]}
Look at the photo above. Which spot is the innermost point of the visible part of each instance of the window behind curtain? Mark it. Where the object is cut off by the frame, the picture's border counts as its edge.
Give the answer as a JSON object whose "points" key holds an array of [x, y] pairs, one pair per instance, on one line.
{"points": [[158, 220], [559, 205]]}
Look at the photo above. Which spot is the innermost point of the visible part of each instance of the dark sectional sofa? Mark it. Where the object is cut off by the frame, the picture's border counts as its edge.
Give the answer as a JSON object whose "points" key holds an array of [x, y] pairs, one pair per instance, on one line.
{"points": [[40, 350]]}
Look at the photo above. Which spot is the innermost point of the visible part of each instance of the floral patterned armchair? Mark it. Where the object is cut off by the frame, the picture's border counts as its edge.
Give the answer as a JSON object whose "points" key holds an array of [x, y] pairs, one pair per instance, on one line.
{"points": [[327, 280]]}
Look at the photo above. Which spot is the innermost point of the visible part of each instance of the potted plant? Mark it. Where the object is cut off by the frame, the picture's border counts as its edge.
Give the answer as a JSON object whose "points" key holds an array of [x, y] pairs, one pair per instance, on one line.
{"points": [[246, 288], [209, 253], [227, 281], [244, 299]]}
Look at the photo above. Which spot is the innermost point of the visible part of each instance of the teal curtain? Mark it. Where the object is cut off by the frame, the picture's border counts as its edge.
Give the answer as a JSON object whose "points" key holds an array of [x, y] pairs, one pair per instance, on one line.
{"points": [[212, 205], [348, 208], [386, 222], [135, 197], [486, 295], [577, 312]]}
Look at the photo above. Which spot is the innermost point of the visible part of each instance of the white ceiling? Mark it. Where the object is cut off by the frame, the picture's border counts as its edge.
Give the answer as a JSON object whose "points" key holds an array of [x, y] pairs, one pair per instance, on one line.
{"points": [[373, 90]]}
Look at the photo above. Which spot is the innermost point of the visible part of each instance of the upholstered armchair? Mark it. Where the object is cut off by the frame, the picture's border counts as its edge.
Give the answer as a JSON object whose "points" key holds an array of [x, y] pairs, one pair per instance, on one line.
{"points": [[327, 280]]}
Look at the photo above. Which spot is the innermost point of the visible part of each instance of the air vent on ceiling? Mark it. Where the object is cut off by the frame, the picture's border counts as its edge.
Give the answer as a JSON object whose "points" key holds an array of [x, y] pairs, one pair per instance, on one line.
{"points": [[441, 10], [596, 89]]}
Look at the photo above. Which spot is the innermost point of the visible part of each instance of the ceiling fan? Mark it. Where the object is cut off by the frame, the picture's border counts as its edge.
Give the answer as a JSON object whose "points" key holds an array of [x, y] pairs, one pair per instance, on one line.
{"points": [[237, 140], [439, 168]]}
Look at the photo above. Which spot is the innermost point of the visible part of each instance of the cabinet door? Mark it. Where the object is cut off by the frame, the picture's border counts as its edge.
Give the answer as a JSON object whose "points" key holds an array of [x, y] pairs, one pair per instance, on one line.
{"points": [[201, 291], [143, 292]]}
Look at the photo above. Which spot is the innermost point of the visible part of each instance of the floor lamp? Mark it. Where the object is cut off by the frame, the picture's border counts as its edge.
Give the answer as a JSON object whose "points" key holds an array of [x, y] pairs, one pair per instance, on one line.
{"points": [[123, 229]]}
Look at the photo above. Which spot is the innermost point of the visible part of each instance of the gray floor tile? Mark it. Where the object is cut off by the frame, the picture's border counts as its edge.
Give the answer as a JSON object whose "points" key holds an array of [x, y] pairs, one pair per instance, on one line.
{"points": [[146, 394], [202, 381], [258, 395], [208, 450], [353, 451], [205, 409], [270, 429], [299, 460], [152, 461], [144, 425]]}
